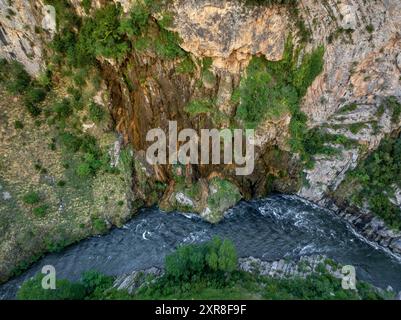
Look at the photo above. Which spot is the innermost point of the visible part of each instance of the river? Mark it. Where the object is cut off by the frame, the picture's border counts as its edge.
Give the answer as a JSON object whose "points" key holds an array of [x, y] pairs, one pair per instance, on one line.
{"points": [[273, 228]]}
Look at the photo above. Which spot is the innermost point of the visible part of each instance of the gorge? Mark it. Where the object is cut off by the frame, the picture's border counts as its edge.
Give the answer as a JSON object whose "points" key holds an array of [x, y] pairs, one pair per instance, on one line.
{"points": [[318, 81]]}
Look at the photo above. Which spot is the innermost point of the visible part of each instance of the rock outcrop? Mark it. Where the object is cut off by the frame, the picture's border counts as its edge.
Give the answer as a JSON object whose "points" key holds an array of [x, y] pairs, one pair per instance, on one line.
{"points": [[230, 33], [305, 266]]}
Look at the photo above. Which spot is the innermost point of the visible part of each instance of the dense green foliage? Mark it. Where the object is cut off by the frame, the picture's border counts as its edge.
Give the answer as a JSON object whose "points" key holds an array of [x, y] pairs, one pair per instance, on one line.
{"points": [[65, 290], [318, 141], [273, 88], [191, 261], [107, 33], [99, 35], [203, 271], [17, 81], [375, 178], [14, 76], [87, 5], [96, 112], [91, 285], [91, 157]]}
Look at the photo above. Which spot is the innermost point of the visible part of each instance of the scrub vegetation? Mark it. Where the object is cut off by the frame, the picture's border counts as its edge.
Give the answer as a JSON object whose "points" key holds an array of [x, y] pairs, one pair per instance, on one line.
{"points": [[375, 179], [272, 89], [203, 271]]}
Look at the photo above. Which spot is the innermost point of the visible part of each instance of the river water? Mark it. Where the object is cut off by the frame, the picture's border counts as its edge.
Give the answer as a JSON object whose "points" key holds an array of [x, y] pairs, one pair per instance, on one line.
{"points": [[273, 228]]}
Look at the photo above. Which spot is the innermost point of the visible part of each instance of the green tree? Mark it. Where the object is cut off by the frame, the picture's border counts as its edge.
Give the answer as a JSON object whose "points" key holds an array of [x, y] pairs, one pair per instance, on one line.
{"points": [[65, 290]]}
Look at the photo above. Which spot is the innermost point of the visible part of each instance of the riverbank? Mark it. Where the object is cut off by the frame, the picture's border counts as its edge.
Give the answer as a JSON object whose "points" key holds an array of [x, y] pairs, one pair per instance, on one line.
{"points": [[275, 228], [211, 270]]}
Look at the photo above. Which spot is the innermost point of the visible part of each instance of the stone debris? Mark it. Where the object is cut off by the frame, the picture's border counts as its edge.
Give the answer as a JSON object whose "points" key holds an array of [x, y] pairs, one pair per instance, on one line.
{"points": [[6, 196], [305, 266]]}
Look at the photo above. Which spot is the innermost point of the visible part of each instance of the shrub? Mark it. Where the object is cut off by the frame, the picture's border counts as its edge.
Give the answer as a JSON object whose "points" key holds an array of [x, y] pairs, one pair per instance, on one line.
{"points": [[66, 15], [137, 22], [70, 142], [80, 76], [17, 81], [316, 141], [40, 211], [370, 28], [65, 290], [186, 66], [273, 88], [31, 198], [349, 108], [222, 256], [356, 127], [76, 98], [381, 205], [35, 95], [80, 41], [376, 176], [108, 40], [99, 225], [63, 109], [167, 45], [94, 282], [311, 67], [34, 110], [395, 106], [61, 183], [18, 124], [261, 96], [96, 112], [14, 76], [226, 193], [32, 98], [84, 170], [87, 5]]}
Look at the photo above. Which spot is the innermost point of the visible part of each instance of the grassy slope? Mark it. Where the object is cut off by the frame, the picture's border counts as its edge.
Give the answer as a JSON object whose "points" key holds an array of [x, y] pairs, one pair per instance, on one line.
{"points": [[73, 208]]}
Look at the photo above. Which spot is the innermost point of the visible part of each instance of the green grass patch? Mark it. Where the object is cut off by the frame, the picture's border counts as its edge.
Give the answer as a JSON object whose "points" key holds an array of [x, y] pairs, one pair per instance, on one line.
{"points": [[199, 107]]}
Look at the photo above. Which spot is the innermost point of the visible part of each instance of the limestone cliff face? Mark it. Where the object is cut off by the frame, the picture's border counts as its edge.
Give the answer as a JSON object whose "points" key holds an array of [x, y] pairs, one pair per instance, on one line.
{"points": [[23, 26], [362, 66], [230, 33]]}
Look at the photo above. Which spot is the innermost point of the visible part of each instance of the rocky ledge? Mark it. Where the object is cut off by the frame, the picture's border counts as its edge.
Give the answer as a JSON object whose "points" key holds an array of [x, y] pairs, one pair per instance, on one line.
{"points": [[299, 268], [365, 223]]}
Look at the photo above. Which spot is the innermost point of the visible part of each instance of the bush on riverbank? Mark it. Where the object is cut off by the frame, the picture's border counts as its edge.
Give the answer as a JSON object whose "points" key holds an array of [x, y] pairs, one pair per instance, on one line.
{"points": [[65, 290], [203, 271]]}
